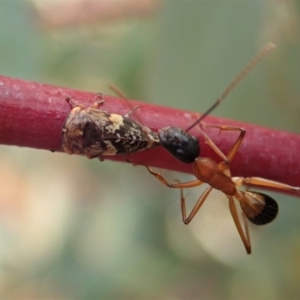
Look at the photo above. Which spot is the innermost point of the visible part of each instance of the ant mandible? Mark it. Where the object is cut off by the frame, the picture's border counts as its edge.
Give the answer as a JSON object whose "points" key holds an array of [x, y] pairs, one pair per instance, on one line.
{"points": [[257, 207]]}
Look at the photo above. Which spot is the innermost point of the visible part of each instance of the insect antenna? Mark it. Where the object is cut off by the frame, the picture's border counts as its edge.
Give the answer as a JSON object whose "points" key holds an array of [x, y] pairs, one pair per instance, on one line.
{"points": [[121, 94], [249, 66]]}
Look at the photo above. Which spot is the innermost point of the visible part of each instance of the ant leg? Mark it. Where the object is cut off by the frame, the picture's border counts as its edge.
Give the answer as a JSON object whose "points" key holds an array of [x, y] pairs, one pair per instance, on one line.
{"points": [[179, 185], [213, 146], [244, 234], [235, 146], [258, 181], [202, 198], [246, 229]]}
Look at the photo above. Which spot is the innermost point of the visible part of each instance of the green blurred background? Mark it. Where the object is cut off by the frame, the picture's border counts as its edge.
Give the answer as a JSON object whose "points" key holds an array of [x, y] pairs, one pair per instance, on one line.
{"points": [[73, 228]]}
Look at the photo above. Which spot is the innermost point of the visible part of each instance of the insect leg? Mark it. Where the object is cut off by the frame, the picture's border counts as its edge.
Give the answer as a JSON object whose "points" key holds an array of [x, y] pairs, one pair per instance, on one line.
{"points": [[132, 111], [214, 147], [244, 233], [202, 198], [123, 96], [100, 100], [72, 103], [237, 143], [188, 184], [224, 165], [262, 182]]}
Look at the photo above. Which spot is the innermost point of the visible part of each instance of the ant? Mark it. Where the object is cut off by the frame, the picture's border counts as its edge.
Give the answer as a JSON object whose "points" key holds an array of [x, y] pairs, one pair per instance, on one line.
{"points": [[257, 207]]}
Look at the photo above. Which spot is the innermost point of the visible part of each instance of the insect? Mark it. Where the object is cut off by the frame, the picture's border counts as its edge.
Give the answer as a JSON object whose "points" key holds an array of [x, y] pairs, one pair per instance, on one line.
{"points": [[93, 132], [257, 207]]}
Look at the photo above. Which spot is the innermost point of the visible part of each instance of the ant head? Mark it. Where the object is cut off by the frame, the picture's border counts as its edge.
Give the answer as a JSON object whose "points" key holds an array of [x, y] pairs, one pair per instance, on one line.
{"points": [[260, 209], [179, 143]]}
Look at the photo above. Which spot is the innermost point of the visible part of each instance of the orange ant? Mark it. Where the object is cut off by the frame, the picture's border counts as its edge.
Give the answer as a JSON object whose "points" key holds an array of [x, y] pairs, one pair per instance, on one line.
{"points": [[257, 207]]}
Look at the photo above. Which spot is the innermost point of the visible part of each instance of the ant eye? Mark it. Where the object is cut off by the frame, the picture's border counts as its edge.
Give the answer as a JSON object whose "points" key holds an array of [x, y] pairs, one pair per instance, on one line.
{"points": [[260, 209], [179, 143]]}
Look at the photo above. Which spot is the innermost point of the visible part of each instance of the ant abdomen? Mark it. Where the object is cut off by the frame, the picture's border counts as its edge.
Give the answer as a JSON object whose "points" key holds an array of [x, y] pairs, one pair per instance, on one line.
{"points": [[179, 143], [259, 208]]}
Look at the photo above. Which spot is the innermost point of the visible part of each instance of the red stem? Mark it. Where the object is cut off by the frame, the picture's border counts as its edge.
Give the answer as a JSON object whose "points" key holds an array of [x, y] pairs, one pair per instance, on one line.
{"points": [[31, 115]]}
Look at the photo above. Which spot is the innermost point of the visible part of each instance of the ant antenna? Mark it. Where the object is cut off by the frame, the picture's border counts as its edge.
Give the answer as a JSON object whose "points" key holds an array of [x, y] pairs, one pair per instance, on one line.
{"points": [[250, 65]]}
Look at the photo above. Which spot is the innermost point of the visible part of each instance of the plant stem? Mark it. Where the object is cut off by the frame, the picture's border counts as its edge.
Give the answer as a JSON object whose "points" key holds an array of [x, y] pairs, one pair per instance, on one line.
{"points": [[32, 114]]}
